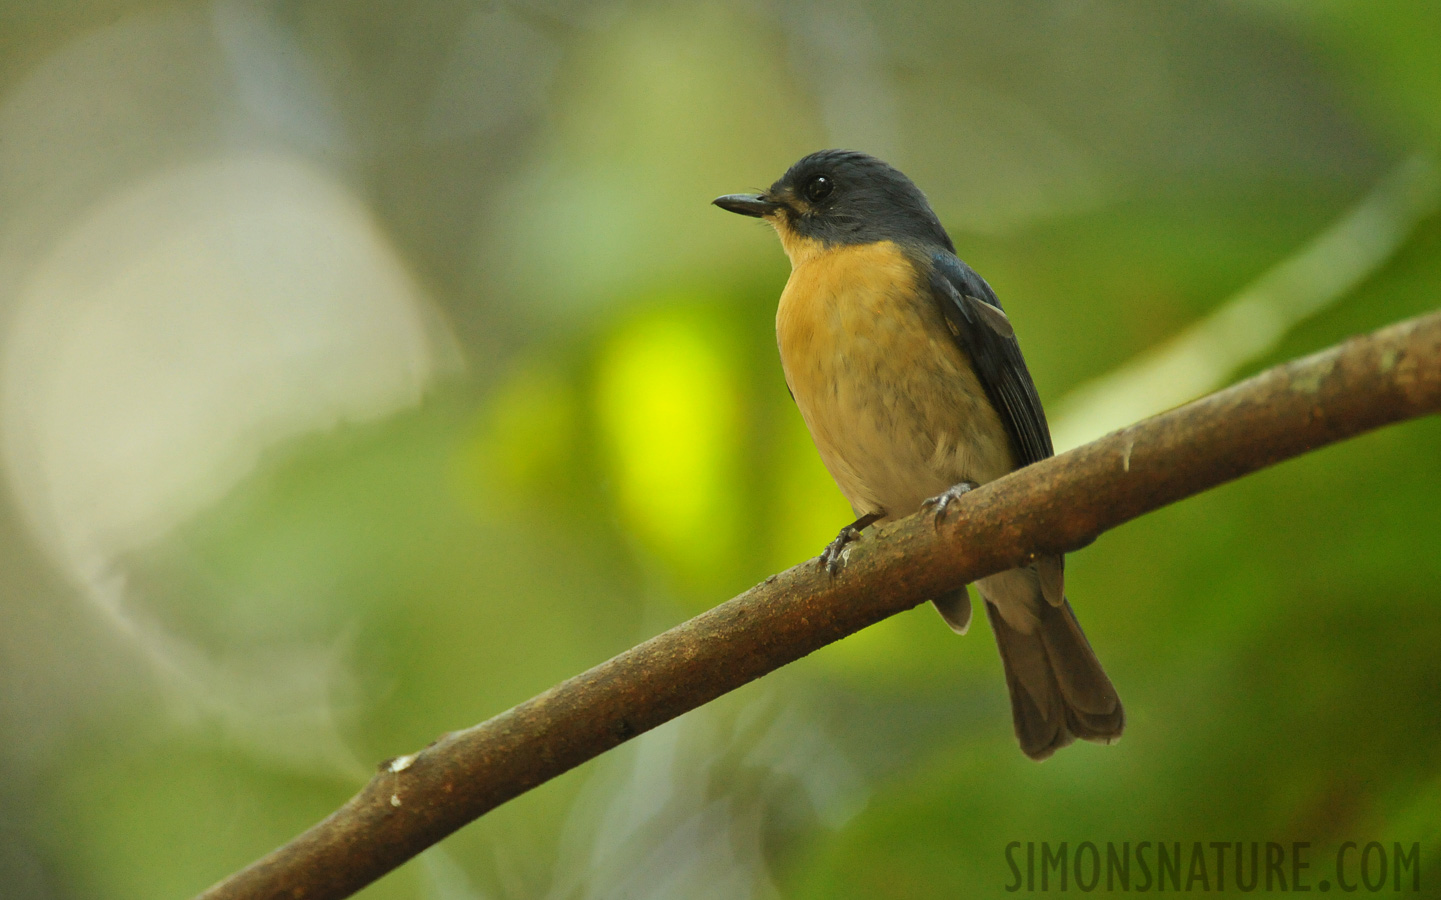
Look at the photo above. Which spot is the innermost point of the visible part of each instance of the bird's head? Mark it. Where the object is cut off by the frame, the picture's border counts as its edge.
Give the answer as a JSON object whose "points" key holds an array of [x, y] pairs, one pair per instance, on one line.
{"points": [[841, 197]]}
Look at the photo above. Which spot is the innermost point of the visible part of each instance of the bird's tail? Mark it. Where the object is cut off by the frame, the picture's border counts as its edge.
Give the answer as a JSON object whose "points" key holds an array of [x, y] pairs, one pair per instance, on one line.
{"points": [[1059, 692]]}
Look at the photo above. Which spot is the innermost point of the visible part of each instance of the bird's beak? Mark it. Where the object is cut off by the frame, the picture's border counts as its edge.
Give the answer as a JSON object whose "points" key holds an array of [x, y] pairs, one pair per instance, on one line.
{"points": [[747, 204]]}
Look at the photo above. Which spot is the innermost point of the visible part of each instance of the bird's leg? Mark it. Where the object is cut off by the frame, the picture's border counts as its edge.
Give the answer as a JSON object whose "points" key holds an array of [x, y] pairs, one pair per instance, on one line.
{"points": [[943, 500], [831, 556]]}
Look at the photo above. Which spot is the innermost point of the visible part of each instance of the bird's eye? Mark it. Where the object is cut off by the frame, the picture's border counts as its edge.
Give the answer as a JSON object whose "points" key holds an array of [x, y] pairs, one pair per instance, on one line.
{"points": [[818, 188]]}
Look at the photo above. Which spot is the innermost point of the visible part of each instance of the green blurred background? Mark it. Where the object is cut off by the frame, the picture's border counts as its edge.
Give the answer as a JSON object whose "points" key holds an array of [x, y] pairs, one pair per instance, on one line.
{"points": [[366, 368]]}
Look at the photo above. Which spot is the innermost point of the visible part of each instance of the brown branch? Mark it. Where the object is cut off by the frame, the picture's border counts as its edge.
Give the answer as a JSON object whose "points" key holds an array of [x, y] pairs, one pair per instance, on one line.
{"points": [[1060, 504]]}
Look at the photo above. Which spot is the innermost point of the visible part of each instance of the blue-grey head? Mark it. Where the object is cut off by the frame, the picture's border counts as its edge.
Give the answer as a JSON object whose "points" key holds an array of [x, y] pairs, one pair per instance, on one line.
{"points": [[842, 197]]}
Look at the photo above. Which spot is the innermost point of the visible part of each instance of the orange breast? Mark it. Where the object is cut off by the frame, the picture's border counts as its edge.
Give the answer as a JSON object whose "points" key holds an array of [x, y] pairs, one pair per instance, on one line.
{"points": [[841, 290], [894, 407]]}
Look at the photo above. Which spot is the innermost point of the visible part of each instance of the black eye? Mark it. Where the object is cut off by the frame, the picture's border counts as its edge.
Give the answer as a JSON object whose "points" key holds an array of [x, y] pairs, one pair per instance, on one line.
{"points": [[817, 188]]}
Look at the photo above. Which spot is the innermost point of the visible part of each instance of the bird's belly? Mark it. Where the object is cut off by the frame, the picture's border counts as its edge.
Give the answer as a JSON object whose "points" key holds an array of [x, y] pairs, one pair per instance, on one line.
{"points": [[892, 403]]}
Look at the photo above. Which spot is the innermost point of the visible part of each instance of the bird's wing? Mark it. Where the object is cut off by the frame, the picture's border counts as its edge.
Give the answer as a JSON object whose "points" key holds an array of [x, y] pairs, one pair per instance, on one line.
{"points": [[983, 331]]}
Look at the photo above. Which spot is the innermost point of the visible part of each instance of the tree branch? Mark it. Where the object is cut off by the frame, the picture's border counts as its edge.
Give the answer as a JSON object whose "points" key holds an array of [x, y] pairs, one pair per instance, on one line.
{"points": [[1056, 505]]}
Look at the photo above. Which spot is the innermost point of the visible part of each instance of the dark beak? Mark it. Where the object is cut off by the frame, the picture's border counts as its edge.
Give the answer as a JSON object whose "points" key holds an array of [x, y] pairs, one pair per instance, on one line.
{"points": [[747, 204]]}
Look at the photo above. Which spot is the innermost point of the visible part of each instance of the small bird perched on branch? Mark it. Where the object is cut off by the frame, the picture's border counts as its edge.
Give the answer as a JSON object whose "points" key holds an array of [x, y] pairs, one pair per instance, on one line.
{"points": [[908, 375]]}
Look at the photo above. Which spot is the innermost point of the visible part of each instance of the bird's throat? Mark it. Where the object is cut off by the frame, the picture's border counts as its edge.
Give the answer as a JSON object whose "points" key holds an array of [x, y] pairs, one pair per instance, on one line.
{"points": [[799, 248]]}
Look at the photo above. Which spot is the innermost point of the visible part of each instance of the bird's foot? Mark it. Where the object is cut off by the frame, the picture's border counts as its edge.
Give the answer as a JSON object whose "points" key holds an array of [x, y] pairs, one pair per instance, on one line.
{"points": [[833, 557], [942, 501]]}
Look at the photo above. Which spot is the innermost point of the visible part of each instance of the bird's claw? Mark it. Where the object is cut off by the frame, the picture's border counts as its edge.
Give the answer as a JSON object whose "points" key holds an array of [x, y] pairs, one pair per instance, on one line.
{"points": [[833, 557], [942, 501]]}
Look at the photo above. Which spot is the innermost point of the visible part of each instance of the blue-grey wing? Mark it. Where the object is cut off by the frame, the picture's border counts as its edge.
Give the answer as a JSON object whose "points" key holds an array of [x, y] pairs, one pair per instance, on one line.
{"points": [[981, 329]]}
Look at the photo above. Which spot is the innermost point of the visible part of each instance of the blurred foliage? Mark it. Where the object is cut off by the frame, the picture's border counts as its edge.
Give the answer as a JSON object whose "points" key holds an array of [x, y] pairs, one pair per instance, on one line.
{"points": [[620, 452]]}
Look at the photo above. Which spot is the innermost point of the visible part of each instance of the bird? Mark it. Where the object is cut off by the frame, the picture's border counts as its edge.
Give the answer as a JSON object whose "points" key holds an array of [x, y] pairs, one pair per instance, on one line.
{"points": [[907, 372]]}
